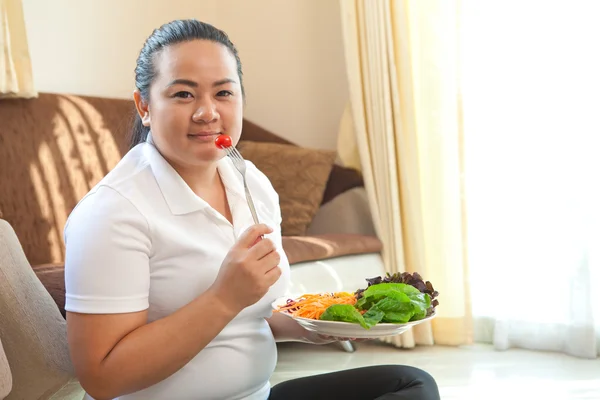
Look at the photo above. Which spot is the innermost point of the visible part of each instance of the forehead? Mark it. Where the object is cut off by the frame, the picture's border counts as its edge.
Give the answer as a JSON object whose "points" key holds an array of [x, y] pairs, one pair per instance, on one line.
{"points": [[198, 59]]}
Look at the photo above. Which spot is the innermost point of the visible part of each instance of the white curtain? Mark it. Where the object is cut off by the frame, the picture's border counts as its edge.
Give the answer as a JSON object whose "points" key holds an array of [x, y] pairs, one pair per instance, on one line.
{"points": [[403, 131], [531, 96], [16, 78]]}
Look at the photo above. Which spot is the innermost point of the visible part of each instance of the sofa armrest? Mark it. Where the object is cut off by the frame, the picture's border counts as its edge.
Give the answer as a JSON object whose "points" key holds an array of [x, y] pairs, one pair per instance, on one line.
{"points": [[347, 213], [322, 247], [34, 334]]}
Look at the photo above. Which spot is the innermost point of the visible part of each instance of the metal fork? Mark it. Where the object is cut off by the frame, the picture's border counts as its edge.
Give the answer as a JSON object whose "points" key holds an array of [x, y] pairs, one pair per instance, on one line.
{"points": [[240, 165]]}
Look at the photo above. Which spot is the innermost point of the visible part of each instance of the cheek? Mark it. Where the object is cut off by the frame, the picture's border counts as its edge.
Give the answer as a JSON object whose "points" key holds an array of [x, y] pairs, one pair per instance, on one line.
{"points": [[232, 117], [169, 115]]}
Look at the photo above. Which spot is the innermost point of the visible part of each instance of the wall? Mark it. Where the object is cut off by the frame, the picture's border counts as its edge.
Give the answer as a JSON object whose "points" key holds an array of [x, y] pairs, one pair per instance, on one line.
{"points": [[90, 48], [291, 51], [294, 64]]}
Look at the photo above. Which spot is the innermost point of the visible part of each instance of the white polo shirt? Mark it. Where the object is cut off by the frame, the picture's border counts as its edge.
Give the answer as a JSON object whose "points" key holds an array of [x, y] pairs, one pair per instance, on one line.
{"points": [[141, 239]]}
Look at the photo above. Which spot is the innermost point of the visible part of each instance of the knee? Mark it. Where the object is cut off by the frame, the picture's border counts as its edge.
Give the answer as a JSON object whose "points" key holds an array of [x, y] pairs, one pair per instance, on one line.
{"points": [[426, 378], [415, 377]]}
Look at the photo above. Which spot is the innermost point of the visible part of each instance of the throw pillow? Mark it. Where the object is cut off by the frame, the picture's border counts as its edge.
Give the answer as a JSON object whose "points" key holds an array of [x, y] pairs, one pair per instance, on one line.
{"points": [[299, 175]]}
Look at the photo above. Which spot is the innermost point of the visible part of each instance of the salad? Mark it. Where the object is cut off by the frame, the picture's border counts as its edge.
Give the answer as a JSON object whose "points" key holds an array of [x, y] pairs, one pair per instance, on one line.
{"points": [[397, 298]]}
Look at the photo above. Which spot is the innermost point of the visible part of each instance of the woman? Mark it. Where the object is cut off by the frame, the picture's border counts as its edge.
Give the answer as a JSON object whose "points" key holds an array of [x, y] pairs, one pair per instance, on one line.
{"points": [[168, 283]]}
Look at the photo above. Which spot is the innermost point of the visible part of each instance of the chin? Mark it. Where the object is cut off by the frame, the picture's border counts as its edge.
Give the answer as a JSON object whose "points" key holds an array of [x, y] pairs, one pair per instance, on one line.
{"points": [[207, 156]]}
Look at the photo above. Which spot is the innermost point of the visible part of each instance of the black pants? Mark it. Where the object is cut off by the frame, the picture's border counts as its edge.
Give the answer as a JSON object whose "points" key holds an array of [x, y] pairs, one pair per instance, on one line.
{"points": [[382, 382]]}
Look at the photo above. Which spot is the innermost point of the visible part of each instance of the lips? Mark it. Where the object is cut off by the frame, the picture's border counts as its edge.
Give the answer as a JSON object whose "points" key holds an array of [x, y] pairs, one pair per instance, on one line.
{"points": [[203, 137], [204, 134]]}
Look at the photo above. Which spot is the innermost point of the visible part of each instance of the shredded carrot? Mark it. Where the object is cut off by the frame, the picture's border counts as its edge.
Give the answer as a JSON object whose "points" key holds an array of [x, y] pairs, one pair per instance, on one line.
{"points": [[312, 306]]}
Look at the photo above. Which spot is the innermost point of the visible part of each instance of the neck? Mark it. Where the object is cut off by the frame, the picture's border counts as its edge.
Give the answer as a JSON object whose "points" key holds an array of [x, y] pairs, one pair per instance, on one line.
{"points": [[201, 179]]}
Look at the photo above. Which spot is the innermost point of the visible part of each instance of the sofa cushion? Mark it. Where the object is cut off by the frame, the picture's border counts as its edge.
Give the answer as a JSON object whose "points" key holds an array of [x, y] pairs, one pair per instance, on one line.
{"points": [[298, 174], [340, 179], [310, 248], [347, 213], [53, 150]]}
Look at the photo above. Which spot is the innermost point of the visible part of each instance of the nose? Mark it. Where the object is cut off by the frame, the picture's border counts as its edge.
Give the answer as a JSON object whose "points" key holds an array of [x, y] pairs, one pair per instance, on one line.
{"points": [[206, 112]]}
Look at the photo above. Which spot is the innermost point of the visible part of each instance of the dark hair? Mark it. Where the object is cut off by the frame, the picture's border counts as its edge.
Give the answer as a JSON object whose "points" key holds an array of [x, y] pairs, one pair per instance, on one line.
{"points": [[168, 34]]}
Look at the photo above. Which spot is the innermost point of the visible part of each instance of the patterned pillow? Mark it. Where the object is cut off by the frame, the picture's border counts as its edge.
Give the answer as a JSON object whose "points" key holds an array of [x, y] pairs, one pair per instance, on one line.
{"points": [[298, 174]]}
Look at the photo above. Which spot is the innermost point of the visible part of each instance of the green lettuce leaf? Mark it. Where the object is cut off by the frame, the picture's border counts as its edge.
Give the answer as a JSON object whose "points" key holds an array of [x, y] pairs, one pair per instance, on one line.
{"points": [[394, 311], [347, 313], [374, 293], [373, 317], [399, 302], [421, 303]]}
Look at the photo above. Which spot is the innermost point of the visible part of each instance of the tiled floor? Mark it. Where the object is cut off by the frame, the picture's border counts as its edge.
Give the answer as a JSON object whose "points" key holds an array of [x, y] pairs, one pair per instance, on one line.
{"points": [[470, 373]]}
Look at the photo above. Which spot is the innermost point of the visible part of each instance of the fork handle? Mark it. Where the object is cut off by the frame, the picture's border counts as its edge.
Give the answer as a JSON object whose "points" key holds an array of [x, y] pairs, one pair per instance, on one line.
{"points": [[251, 204], [252, 210]]}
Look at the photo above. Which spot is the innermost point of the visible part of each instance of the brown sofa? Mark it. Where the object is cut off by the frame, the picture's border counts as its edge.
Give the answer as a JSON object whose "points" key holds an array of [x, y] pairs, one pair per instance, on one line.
{"points": [[53, 149]]}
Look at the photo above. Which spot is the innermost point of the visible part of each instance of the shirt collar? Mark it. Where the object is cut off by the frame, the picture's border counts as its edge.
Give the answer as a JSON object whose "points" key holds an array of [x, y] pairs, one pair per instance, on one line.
{"points": [[178, 195]]}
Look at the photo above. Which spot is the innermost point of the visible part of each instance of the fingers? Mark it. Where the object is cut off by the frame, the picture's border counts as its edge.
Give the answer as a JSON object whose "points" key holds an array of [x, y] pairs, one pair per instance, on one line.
{"points": [[257, 240], [253, 235], [270, 261], [273, 275], [262, 249], [342, 339]]}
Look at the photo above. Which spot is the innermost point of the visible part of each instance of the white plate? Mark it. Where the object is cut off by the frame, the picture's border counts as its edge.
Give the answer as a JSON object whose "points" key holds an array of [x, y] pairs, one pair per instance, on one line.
{"points": [[349, 329]]}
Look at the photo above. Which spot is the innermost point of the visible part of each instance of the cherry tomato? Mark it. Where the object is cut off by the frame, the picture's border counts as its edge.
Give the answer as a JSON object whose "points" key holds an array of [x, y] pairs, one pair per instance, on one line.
{"points": [[223, 141]]}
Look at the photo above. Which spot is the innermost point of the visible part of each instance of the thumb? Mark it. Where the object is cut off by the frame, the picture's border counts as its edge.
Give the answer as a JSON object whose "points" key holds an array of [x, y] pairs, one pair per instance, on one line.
{"points": [[253, 235]]}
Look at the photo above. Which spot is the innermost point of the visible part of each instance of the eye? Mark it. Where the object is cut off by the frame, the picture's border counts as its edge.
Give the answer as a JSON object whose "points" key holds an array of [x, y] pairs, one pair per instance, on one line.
{"points": [[183, 95], [225, 93]]}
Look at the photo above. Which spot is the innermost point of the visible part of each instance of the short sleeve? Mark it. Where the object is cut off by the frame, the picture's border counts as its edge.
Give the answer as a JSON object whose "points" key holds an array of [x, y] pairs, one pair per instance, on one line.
{"points": [[108, 249]]}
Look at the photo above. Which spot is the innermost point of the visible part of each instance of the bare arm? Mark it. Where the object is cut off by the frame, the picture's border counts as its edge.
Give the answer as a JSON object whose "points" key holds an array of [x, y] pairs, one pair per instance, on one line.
{"points": [[116, 354]]}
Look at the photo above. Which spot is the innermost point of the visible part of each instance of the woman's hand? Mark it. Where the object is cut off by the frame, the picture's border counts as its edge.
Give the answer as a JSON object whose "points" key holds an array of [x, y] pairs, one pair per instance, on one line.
{"points": [[248, 270], [285, 329]]}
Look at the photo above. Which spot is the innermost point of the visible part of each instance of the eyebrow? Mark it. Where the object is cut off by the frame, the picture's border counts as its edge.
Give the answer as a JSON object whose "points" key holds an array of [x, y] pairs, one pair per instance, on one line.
{"points": [[223, 82], [193, 84]]}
